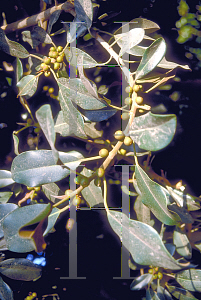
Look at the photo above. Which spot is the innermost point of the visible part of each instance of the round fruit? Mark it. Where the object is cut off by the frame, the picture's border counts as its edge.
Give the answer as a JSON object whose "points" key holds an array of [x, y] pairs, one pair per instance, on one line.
{"points": [[29, 121], [84, 181], [76, 200], [44, 67], [59, 59], [34, 294], [128, 141], [47, 61], [59, 48], [103, 152], [37, 188], [128, 89], [122, 151], [52, 49], [68, 192], [50, 54], [160, 275], [128, 101], [37, 130], [155, 276], [150, 271], [119, 135], [125, 116], [47, 73], [139, 100], [53, 60], [137, 88], [100, 172], [51, 90], [56, 66], [98, 182]]}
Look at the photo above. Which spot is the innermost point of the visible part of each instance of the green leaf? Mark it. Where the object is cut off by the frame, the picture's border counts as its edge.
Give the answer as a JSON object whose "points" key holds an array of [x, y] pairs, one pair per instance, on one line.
{"points": [[190, 279], [5, 209], [184, 200], [142, 241], [137, 50], [28, 85], [19, 225], [171, 65], [152, 56], [70, 114], [20, 269], [151, 295], [98, 115], [60, 125], [153, 132], [5, 196], [92, 193], [163, 294], [37, 167], [84, 11], [53, 18], [183, 246], [11, 47], [46, 122], [128, 40], [72, 54], [91, 131], [18, 69], [52, 218], [142, 211], [180, 294], [35, 37], [154, 197], [50, 190], [16, 144], [5, 178], [140, 282], [5, 291]]}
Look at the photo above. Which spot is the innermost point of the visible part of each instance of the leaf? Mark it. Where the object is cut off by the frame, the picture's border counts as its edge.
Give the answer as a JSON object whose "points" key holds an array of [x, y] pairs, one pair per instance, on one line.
{"points": [[12, 48], [19, 227], [142, 211], [16, 144], [84, 11], [142, 241], [5, 291], [5, 196], [171, 65], [46, 122], [20, 269], [154, 197], [91, 131], [70, 114], [182, 213], [37, 36], [152, 56], [60, 125], [18, 69], [151, 295], [50, 190], [5, 209], [53, 18], [98, 115], [92, 193], [137, 50], [28, 85], [185, 200], [163, 294], [147, 25], [180, 294], [72, 54], [128, 40], [140, 282], [182, 243], [52, 218], [153, 132], [190, 279], [5, 178], [37, 167]]}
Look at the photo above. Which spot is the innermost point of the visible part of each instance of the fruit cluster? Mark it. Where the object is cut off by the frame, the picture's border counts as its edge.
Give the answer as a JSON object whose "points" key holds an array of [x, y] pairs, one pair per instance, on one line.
{"points": [[54, 59]]}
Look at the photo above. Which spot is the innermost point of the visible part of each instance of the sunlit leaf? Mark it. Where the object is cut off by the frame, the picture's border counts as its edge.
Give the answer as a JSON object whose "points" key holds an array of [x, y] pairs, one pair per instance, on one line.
{"points": [[140, 282], [183, 246], [152, 56], [20, 269], [28, 85], [5, 196], [37, 167], [92, 193], [153, 132], [5, 291], [16, 144], [72, 54], [46, 122], [171, 65], [137, 50], [142, 241], [142, 211], [11, 47], [154, 197], [50, 190], [52, 218], [190, 279], [36, 36], [53, 18], [180, 293], [60, 125], [185, 200], [91, 131], [5, 178]]}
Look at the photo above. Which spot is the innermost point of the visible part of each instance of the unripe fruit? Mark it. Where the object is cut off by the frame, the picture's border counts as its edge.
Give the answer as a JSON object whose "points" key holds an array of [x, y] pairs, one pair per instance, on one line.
{"points": [[53, 54], [29, 121], [137, 88], [47, 61], [128, 101], [34, 294], [100, 172], [76, 200], [160, 275], [128, 141], [53, 60], [37, 188], [68, 192], [56, 66], [155, 276], [78, 179], [37, 130], [125, 116], [59, 59], [98, 182], [84, 181], [150, 271], [139, 100], [59, 48], [103, 152], [44, 67], [122, 151], [128, 89], [45, 88], [47, 73], [29, 188], [52, 49], [51, 90], [119, 135]]}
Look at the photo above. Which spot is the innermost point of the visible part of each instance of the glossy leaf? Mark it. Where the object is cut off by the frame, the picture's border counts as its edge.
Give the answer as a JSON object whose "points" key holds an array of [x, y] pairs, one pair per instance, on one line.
{"points": [[50, 190], [5, 196], [180, 293], [20, 269], [182, 243], [18, 69], [36, 36], [152, 56], [98, 115], [72, 54], [37, 167], [5, 209], [92, 193], [60, 125], [153, 132], [16, 144], [140, 282], [5, 178], [128, 40], [142, 241], [70, 114], [19, 225], [154, 197], [46, 122], [52, 218], [171, 65], [11, 47], [91, 131], [163, 294], [190, 279], [28, 85], [5, 291], [137, 50], [53, 19], [142, 211]]}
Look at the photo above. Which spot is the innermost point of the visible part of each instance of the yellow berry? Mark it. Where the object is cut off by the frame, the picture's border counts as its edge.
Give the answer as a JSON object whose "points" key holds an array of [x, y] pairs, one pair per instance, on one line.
{"points": [[125, 116], [59, 48], [51, 90], [37, 130], [29, 188], [155, 276], [37, 188], [119, 135], [128, 101], [47, 73], [141, 110], [59, 59], [44, 67], [160, 275], [76, 200], [122, 151], [139, 100], [47, 60], [128, 89], [98, 182], [128, 141], [53, 60], [52, 49], [56, 66], [150, 271], [100, 172], [137, 88], [34, 294], [68, 192], [103, 152], [45, 88]]}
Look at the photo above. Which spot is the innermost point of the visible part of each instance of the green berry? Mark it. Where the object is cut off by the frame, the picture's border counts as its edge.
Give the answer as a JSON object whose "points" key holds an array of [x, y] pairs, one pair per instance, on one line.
{"points": [[119, 135], [76, 200], [128, 101], [84, 181], [47, 61], [29, 121], [150, 271], [139, 100], [100, 172], [59, 48], [122, 151], [68, 192], [47, 73], [125, 116], [51, 90], [37, 188], [56, 66], [137, 88], [98, 182], [160, 275], [128, 141], [37, 130], [53, 54], [59, 59], [53, 60], [128, 89], [52, 49], [155, 276], [103, 152], [44, 67]]}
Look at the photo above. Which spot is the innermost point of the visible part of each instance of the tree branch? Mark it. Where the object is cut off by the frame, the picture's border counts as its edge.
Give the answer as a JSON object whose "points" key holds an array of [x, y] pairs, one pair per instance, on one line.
{"points": [[45, 15]]}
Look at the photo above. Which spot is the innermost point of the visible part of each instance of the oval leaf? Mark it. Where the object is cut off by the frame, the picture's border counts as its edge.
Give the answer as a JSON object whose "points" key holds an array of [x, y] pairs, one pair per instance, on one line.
{"points": [[53, 18], [84, 11], [18, 69], [163, 294], [190, 279], [72, 54], [140, 282], [36, 36], [183, 246], [180, 294], [153, 132], [5, 196], [5, 291], [5, 178], [50, 190], [142, 241], [20, 269], [38, 167], [152, 56], [98, 115], [28, 85], [60, 125]]}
